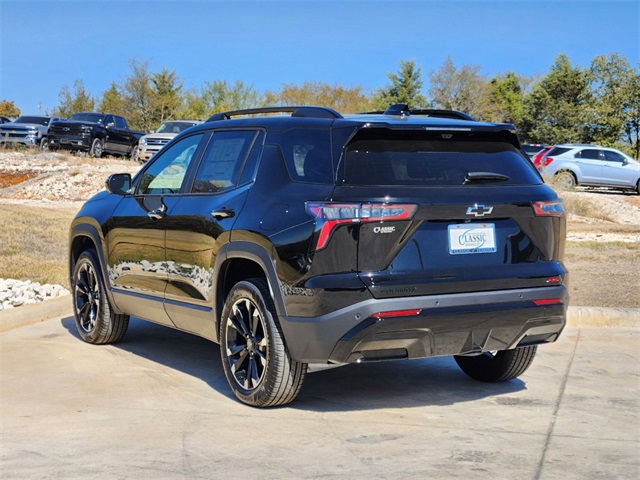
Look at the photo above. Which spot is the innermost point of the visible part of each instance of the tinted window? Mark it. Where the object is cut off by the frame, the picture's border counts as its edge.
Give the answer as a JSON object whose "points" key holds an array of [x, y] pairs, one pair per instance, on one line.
{"points": [[174, 127], [120, 123], [87, 117], [613, 156], [223, 161], [307, 153], [35, 120], [589, 154], [405, 158], [108, 120], [557, 151], [167, 171]]}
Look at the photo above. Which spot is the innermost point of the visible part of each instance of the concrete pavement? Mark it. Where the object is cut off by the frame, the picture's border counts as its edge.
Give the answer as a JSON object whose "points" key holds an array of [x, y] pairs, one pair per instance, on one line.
{"points": [[157, 406]]}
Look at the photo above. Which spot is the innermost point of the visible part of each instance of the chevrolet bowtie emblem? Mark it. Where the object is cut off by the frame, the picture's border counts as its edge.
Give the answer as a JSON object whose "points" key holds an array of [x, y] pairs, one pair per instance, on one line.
{"points": [[479, 210]]}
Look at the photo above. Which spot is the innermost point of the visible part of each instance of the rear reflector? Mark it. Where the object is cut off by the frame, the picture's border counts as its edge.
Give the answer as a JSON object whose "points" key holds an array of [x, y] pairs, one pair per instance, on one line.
{"points": [[330, 215], [547, 161], [548, 301], [397, 313], [552, 208]]}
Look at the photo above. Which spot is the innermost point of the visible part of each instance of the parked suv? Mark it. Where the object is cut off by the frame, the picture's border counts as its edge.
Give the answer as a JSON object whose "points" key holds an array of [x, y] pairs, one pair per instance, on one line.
{"points": [[30, 130], [321, 239], [149, 145], [592, 166]]}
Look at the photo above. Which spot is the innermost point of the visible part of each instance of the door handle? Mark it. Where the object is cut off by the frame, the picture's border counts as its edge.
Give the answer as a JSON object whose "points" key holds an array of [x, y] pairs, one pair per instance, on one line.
{"points": [[158, 214], [224, 212]]}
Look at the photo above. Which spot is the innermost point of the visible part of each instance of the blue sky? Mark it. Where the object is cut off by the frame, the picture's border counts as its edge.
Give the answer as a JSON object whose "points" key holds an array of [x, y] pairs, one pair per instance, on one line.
{"points": [[45, 45]]}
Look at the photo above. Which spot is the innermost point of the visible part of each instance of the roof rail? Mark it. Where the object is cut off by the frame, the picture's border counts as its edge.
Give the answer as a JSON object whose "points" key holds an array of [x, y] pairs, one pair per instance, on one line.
{"points": [[299, 111], [402, 109]]}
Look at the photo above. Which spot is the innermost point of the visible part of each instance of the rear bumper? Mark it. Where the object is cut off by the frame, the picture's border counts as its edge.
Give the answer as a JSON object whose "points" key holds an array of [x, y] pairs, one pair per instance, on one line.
{"points": [[453, 324]]}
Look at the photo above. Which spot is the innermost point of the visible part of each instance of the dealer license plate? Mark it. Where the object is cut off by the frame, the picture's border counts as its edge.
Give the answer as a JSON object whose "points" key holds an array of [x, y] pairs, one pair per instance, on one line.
{"points": [[472, 238]]}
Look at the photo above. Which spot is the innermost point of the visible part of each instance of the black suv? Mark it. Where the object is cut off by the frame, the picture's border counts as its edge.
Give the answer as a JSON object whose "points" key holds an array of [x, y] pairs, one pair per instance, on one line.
{"points": [[320, 239]]}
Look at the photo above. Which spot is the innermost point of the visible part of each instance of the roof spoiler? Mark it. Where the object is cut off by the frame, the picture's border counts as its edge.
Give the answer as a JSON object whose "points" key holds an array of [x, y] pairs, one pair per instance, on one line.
{"points": [[299, 111], [402, 109]]}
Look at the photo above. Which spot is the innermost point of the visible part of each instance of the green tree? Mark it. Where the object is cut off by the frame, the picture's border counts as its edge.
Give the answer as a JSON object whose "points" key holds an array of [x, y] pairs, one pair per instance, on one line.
{"points": [[341, 99], [611, 80], [463, 89], [558, 109], [113, 101], [404, 87], [222, 96], [631, 127], [506, 98], [8, 109], [72, 102], [167, 99]]}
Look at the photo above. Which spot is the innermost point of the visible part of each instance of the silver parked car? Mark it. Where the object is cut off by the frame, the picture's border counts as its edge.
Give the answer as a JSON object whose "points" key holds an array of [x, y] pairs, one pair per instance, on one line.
{"points": [[591, 166], [28, 130], [150, 144]]}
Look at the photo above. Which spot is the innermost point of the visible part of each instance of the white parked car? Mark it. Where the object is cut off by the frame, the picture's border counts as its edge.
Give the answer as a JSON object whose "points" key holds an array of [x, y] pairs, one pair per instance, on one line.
{"points": [[150, 144], [591, 166]]}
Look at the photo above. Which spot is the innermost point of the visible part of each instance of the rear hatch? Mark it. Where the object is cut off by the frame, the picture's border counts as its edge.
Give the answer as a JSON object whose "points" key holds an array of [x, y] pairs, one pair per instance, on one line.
{"points": [[445, 212]]}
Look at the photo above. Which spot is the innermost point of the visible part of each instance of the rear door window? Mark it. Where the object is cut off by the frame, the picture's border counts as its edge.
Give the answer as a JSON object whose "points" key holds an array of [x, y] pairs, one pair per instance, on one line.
{"points": [[223, 160], [418, 159], [590, 154]]}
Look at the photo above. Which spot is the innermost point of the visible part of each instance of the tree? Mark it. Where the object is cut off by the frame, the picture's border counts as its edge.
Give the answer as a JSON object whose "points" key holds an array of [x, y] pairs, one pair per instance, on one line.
{"points": [[113, 101], [631, 127], [166, 94], [505, 100], [72, 102], [558, 109], [138, 95], [405, 87], [342, 99], [8, 109], [611, 80], [463, 89]]}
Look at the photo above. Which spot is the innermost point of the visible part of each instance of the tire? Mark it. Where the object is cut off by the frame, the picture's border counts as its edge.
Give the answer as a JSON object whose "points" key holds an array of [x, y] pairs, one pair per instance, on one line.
{"points": [[95, 320], [97, 148], [134, 154], [565, 180], [638, 187], [44, 144], [254, 356], [503, 366]]}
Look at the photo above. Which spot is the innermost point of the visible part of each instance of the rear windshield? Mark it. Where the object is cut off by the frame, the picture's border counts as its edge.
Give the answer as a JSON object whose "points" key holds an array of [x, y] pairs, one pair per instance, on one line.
{"points": [[411, 159]]}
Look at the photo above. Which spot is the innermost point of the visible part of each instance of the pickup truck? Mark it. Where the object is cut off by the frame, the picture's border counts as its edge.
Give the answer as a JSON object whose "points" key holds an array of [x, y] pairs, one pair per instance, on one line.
{"points": [[96, 133], [31, 130]]}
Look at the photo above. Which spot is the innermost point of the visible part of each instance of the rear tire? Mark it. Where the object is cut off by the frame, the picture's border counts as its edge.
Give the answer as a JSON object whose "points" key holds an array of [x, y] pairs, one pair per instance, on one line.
{"points": [[504, 365], [254, 356], [95, 320]]}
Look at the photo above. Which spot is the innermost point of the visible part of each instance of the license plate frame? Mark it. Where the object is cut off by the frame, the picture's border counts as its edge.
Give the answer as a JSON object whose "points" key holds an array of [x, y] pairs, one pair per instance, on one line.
{"points": [[471, 238]]}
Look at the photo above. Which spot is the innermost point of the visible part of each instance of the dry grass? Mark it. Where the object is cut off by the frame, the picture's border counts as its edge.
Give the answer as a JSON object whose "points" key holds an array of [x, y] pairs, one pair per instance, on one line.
{"points": [[34, 243], [585, 207]]}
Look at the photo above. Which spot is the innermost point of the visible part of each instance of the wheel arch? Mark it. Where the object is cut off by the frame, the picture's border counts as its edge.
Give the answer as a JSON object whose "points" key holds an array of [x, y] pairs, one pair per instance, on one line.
{"points": [[84, 237], [237, 261]]}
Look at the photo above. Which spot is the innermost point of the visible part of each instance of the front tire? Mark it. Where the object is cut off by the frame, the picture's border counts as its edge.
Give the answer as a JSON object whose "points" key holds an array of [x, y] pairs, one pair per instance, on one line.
{"points": [[44, 144], [254, 357], [97, 148], [503, 366], [95, 319], [565, 180]]}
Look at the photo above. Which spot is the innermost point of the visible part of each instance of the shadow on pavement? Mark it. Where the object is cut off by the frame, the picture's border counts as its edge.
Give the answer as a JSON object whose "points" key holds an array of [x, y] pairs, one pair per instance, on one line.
{"points": [[392, 384]]}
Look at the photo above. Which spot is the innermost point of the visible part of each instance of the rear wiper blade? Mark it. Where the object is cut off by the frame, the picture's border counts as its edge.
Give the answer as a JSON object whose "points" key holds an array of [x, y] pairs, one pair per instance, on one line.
{"points": [[484, 177]]}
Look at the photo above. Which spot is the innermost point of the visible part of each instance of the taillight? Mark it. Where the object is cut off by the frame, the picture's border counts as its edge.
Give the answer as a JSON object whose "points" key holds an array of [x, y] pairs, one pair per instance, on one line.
{"points": [[553, 208], [330, 215], [548, 301]]}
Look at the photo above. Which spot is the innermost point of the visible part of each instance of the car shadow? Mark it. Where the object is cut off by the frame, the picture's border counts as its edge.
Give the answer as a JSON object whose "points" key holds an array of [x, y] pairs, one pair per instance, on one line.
{"points": [[392, 384]]}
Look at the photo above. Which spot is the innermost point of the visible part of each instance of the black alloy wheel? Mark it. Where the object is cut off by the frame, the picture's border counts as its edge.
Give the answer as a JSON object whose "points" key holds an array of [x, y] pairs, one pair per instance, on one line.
{"points": [[246, 344], [95, 319], [255, 359]]}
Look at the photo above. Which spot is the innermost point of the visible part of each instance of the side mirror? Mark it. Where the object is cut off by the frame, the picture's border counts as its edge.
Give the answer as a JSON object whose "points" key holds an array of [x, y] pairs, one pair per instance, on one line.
{"points": [[118, 183], [111, 125]]}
